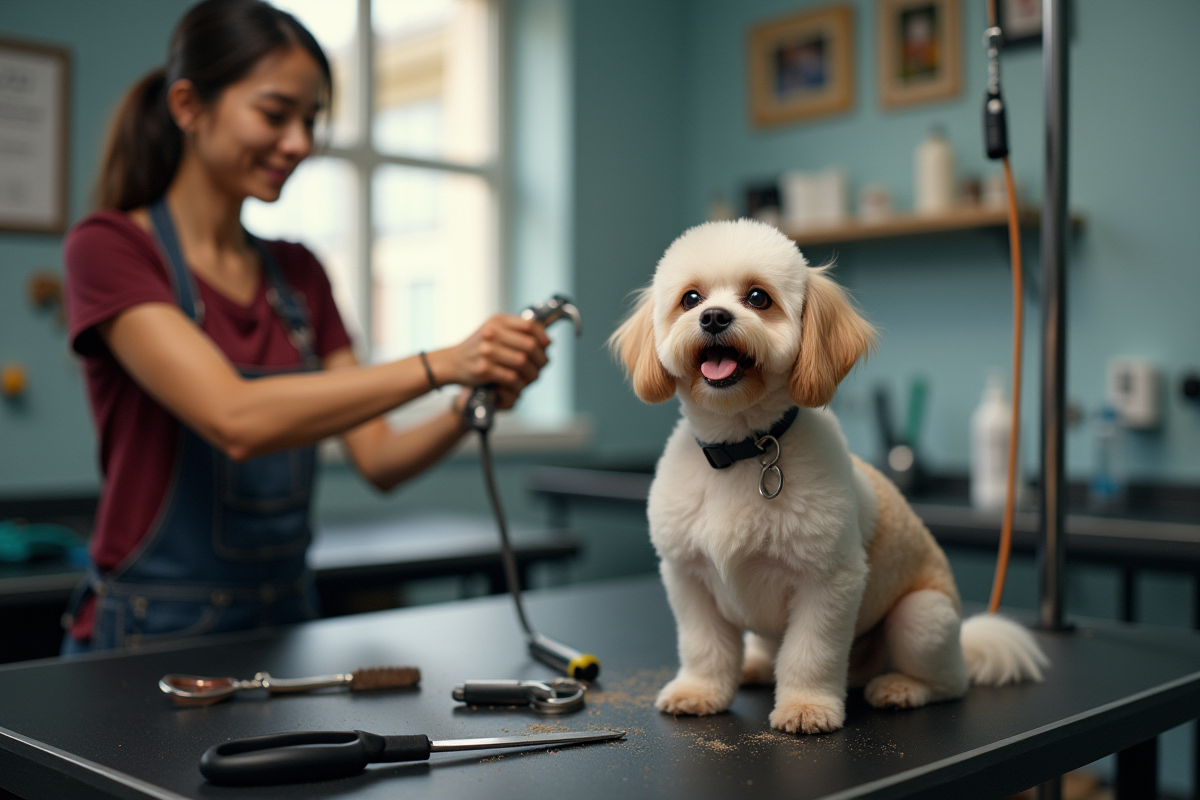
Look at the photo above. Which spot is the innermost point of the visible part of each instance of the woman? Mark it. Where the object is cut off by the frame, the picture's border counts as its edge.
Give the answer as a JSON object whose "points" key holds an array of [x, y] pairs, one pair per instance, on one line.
{"points": [[215, 362]]}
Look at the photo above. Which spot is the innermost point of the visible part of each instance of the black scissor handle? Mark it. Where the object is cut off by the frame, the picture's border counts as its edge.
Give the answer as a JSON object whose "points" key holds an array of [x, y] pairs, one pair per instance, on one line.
{"points": [[305, 756]]}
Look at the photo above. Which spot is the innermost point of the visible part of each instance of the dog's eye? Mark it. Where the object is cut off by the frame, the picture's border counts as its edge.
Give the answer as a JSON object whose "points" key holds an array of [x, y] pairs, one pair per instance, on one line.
{"points": [[758, 299], [691, 300]]}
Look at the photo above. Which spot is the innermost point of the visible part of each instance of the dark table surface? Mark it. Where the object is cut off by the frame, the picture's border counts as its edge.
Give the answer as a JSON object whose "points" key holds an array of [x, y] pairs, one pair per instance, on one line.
{"points": [[98, 726]]}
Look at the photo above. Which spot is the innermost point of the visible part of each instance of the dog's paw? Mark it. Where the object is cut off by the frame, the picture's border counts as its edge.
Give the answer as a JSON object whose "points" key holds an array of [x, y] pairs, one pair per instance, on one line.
{"points": [[757, 669], [809, 713], [895, 690], [690, 696]]}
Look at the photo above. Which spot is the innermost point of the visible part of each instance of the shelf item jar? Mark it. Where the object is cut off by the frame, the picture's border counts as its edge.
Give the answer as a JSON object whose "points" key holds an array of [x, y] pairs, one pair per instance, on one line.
{"points": [[874, 204], [933, 168]]}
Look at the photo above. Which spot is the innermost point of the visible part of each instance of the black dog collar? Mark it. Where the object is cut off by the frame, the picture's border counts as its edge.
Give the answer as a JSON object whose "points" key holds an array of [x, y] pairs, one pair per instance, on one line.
{"points": [[723, 455]]}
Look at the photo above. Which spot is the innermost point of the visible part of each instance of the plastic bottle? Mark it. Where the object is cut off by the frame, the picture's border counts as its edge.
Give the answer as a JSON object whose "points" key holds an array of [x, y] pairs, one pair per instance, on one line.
{"points": [[991, 425], [1106, 490], [933, 168]]}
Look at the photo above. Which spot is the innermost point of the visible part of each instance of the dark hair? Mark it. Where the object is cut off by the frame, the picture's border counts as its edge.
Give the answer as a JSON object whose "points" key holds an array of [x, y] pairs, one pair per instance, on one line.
{"points": [[216, 44]]}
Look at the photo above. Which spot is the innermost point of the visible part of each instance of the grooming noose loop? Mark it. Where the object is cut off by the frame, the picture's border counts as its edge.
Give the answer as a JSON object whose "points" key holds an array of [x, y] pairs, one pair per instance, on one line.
{"points": [[767, 463]]}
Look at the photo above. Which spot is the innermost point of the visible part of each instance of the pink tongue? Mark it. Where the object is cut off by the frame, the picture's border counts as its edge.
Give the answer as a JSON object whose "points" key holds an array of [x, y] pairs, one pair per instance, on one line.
{"points": [[718, 371]]}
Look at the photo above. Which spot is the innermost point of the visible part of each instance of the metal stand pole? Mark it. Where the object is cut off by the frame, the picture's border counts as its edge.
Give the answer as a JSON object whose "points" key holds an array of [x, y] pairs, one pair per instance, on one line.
{"points": [[1051, 543], [1051, 549]]}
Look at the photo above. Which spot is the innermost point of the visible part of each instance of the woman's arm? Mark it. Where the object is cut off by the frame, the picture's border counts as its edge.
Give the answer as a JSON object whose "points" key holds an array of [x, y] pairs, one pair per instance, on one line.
{"points": [[386, 457], [185, 371]]}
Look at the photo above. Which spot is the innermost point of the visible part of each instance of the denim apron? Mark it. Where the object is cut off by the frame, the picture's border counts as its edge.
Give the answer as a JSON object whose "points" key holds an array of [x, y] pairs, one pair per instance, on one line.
{"points": [[227, 550]]}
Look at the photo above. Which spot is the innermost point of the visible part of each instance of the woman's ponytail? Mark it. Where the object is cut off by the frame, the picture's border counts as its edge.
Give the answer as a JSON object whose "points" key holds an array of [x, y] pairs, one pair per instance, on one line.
{"points": [[143, 148], [215, 44]]}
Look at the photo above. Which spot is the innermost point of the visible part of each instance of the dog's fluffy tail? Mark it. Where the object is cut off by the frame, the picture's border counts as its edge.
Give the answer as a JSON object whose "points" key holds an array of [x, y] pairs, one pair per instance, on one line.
{"points": [[999, 651]]}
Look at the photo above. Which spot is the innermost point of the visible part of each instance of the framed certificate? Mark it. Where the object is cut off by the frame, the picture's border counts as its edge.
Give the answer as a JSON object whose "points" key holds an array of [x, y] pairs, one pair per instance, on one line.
{"points": [[34, 105]]}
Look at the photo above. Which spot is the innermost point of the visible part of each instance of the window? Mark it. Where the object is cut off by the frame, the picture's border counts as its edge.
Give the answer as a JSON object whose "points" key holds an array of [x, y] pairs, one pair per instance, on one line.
{"points": [[402, 206]]}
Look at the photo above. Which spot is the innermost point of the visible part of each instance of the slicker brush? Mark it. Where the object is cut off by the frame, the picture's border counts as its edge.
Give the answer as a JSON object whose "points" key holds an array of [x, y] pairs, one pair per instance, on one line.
{"points": [[196, 690], [366, 679]]}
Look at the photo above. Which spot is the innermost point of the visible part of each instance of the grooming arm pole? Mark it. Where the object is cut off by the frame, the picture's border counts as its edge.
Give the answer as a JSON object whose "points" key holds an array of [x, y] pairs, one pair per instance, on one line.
{"points": [[1052, 543]]}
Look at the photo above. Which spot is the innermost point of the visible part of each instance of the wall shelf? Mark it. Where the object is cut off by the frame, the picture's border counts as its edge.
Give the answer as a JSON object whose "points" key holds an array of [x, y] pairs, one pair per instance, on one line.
{"points": [[900, 225]]}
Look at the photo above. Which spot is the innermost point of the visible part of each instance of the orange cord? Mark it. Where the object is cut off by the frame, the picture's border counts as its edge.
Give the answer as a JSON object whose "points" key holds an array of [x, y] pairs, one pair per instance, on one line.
{"points": [[1014, 244], [1010, 499]]}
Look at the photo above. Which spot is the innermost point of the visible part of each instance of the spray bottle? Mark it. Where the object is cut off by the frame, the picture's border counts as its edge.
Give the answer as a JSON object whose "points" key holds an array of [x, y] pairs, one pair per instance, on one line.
{"points": [[991, 426]]}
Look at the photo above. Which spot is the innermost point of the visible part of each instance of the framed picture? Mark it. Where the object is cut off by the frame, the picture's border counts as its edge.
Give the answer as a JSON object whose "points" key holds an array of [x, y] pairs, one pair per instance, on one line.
{"points": [[1021, 21], [34, 105], [802, 66], [919, 58]]}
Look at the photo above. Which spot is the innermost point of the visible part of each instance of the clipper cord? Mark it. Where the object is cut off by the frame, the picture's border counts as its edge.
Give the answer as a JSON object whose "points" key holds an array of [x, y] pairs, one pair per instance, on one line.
{"points": [[564, 658], [1014, 246], [511, 575], [1010, 497]]}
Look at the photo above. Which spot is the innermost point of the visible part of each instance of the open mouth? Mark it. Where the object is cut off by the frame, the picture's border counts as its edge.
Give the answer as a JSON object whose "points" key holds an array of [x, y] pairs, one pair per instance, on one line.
{"points": [[723, 366]]}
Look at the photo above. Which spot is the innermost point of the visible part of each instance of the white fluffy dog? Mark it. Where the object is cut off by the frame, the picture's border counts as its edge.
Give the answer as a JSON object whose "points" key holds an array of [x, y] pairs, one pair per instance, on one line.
{"points": [[834, 581]]}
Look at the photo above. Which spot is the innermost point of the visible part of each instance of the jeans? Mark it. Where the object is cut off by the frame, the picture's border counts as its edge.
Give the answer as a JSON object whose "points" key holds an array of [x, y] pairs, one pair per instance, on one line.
{"points": [[73, 647]]}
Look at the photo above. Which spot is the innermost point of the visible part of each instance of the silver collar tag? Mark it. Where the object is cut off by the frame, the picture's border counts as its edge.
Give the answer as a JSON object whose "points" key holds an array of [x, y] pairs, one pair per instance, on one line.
{"points": [[768, 465]]}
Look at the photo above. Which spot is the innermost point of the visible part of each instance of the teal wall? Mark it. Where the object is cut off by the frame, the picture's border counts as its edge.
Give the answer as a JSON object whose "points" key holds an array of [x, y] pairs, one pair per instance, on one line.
{"points": [[944, 304], [46, 440], [630, 136]]}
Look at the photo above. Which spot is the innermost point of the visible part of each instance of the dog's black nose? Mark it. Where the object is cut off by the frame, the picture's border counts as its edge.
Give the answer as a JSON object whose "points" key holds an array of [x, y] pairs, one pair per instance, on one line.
{"points": [[715, 320]]}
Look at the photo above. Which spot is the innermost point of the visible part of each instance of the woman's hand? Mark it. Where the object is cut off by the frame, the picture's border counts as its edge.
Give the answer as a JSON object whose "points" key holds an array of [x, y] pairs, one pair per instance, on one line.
{"points": [[506, 398], [506, 350]]}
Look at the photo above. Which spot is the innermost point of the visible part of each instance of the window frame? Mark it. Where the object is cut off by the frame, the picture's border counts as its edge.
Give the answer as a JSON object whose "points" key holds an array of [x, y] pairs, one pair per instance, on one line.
{"points": [[513, 433], [366, 159]]}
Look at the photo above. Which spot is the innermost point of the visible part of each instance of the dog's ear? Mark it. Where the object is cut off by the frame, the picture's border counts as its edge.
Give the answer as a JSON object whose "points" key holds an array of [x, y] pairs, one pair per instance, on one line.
{"points": [[633, 344], [833, 336]]}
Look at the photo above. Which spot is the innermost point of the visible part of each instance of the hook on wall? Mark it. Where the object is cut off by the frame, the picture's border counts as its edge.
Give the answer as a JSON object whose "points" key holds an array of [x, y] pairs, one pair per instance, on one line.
{"points": [[45, 291]]}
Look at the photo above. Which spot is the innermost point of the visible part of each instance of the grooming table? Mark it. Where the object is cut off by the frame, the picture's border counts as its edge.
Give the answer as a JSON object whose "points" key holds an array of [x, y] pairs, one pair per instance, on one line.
{"points": [[99, 727]]}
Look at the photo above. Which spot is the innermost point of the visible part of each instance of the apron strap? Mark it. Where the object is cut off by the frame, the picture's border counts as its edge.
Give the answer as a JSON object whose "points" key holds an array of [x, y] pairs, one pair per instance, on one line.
{"points": [[186, 293], [288, 306], [83, 590]]}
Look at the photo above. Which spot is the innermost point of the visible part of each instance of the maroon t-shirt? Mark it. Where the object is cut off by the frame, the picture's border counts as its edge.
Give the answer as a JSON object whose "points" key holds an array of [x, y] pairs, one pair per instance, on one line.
{"points": [[111, 265]]}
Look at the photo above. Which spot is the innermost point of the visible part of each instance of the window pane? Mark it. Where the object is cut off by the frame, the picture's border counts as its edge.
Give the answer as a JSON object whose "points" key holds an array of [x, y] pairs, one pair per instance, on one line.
{"points": [[434, 78], [318, 209], [433, 265], [334, 24]]}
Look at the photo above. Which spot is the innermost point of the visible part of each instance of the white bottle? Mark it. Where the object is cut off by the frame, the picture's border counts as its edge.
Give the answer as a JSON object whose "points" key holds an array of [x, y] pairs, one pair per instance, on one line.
{"points": [[991, 425], [933, 168]]}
